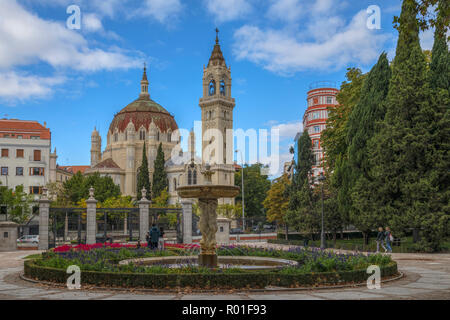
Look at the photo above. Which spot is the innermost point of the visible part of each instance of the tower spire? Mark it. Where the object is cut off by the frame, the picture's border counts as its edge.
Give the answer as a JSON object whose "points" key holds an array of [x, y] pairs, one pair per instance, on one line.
{"points": [[216, 55], [144, 84], [217, 36]]}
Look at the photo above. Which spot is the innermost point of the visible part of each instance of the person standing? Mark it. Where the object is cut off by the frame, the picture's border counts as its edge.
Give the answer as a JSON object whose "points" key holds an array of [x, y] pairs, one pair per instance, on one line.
{"points": [[154, 236], [161, 238], [147, 237], [380, 239], [388, 239]]}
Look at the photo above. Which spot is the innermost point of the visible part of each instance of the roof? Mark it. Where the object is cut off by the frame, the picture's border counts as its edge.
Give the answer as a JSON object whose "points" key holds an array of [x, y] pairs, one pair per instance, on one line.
{"points": [[25, 128], [108, 164], [74, 169], [217, 58]]}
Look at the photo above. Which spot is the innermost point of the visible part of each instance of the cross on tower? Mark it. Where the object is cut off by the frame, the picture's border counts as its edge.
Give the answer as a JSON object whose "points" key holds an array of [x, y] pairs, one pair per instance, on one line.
{"points": [[217, 35]]}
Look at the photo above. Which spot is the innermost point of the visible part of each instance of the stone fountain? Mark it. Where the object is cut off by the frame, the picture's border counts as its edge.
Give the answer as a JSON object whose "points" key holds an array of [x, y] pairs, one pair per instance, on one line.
{"points": [[208, 195]]}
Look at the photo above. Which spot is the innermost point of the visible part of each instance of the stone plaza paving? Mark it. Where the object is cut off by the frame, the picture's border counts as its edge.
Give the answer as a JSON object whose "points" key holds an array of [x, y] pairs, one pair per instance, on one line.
{"points": [[426, 276]]}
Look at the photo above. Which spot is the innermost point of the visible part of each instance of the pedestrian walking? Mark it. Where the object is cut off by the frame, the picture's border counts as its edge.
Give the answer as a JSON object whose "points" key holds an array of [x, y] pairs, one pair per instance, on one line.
{"points": [[154, 236], [388, 239], [380, 239]]}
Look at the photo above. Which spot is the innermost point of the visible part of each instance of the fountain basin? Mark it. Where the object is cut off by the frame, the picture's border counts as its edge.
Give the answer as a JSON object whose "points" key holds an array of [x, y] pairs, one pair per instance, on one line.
{"points": [[243, 262], [208, 191]]}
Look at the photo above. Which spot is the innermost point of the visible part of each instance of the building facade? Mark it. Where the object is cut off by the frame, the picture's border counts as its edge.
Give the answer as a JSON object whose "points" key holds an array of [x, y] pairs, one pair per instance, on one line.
{"points": [[26, 158], [146, 122], [321, 96]]}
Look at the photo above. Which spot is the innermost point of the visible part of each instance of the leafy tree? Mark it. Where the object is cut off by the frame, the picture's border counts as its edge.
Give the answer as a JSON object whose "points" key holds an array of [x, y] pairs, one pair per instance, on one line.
{"points": [[143, 178], [159, 175], [363, 124], [18, 203], [256, 186], [301, 212], [277, 201], [161, 200], [77, 188]]}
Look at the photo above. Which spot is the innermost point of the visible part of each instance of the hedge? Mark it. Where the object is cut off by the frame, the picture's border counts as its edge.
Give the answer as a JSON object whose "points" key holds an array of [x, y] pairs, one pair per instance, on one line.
{"points": [[259, 279]]}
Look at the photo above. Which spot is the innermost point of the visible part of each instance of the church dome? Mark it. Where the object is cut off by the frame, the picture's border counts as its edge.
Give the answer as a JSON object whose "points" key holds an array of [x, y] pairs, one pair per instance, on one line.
{"points": [[142, 112]]}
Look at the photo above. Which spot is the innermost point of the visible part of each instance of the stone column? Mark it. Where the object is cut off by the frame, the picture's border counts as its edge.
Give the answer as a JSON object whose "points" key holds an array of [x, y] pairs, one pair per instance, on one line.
{"points": [[44, 210], [91, 219], [144, 204], [187, 220], [208, 227], [66, 227]]}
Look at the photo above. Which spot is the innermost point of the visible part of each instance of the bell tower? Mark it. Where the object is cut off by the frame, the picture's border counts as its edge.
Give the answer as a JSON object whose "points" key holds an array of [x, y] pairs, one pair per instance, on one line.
{"points": [[217, 109]]}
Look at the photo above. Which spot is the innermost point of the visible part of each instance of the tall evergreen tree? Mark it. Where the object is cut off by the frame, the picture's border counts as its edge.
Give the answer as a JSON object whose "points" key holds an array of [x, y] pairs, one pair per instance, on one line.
{"points": [[301, 210], [143, 178], [403, 152], [159, 182], [362, 126]]}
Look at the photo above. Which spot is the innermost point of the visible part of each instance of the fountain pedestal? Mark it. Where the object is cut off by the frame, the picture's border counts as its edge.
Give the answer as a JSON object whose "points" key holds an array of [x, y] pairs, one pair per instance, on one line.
{"points": [[208, 196]]}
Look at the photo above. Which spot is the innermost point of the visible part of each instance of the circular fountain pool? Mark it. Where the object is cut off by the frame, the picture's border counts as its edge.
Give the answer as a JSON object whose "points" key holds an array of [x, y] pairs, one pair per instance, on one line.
{"points": [[224, 262]]}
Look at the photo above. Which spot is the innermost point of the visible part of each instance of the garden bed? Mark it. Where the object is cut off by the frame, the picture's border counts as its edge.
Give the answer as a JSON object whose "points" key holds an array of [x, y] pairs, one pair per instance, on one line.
{"points": [[100, 268]]}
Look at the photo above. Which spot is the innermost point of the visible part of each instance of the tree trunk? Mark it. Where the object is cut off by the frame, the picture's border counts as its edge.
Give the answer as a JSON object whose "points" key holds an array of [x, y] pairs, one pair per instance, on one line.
{"points": [[334, 238], [366, 237], [416, 235], [286, 230]]}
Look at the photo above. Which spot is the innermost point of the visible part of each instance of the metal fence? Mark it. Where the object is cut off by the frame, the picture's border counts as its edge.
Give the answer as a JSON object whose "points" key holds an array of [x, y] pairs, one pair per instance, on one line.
{"points": [[170, 220]]}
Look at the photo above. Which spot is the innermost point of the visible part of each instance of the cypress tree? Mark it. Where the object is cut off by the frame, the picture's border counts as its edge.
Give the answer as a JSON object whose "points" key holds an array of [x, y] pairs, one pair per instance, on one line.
{"points": [[403, 158], [143, 178], [159, 175], [301, 211], [369, 111]]}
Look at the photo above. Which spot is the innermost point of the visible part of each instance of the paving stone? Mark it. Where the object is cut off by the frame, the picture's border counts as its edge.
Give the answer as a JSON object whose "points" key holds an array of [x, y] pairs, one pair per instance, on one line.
{"points": [[24, 293], [423, 285], [140, 297], [351, 295], [75, 295], [6, 286], [401, 291], [299, 296]]}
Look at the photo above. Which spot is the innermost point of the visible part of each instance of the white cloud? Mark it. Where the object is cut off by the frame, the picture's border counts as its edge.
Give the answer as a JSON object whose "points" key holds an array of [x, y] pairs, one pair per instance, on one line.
{"points": [[288, 130], [161, 10], [25, 38], [228, 10], [14, 86], [285, 53], [285, 10], [322, 6], [91, 22]]}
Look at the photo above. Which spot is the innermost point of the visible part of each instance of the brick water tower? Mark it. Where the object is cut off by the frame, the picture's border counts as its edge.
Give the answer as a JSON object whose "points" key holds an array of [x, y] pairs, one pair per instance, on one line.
{"points": [[321, 96]]}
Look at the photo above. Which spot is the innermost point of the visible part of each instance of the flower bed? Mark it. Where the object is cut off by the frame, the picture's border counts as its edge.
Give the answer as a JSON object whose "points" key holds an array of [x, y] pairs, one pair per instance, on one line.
{"points": [[100, 267]]}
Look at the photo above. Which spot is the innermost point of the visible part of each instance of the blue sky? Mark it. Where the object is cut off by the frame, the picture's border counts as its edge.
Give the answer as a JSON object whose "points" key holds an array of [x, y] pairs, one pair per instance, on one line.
{"points": [[77, 79]]}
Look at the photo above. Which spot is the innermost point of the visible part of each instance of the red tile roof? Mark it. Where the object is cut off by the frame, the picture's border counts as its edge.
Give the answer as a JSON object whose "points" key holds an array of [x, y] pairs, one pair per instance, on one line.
{"points": [[108, 164], [74, 169], [25, 128]]}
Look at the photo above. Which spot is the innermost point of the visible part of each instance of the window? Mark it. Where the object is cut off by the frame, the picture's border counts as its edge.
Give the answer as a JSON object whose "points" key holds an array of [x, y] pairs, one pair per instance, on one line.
{"points": [[174, 184], [316, 144], [5, 235], [19, 137], [316, 129], [4, 171], [34, 137], [19, 153], [37, 155], [5, 153], [189, 177], [35, 190], [316, 115], [142, 135], [169, 137], [36, 171], [222, 88], [212, 88], [19, 171], [316, 101], [329, 100], [195, 177]]}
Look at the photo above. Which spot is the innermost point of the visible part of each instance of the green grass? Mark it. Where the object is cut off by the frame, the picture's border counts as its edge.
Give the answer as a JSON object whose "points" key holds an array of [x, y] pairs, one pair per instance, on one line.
{"points": [[33, 256]]}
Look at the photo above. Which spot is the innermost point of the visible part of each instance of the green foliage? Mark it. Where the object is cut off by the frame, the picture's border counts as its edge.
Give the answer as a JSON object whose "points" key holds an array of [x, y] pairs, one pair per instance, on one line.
{"points": [[277, 200], [160, 181], [77, 188], [301, 212], [18, 203], [143, 178], [256, 187]]}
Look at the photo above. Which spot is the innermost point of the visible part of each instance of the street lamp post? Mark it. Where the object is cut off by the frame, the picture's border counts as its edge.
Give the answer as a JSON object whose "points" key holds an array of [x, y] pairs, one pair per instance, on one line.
{"points": [[243, 198], [322, 234]]}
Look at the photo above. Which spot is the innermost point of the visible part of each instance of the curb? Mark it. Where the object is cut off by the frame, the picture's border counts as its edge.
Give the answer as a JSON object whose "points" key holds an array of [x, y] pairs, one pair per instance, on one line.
{"points": [[269, 290]]}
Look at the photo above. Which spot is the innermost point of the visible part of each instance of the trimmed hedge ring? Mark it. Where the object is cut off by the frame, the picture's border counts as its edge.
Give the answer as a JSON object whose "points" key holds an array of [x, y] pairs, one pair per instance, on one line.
{"points": [[234, 281]]}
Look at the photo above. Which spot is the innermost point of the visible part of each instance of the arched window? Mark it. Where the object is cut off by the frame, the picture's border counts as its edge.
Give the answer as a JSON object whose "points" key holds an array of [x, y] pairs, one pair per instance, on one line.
{"points": [[222, 88], [189, 177], [116, 137], [142, 135], [126, 135], [157, 136], [169, 136], [195, 177], [212, 88], [174, 184]]}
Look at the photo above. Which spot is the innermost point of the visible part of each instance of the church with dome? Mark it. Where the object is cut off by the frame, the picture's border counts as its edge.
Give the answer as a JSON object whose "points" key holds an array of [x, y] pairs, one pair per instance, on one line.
{"points": [[144, 121]]}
